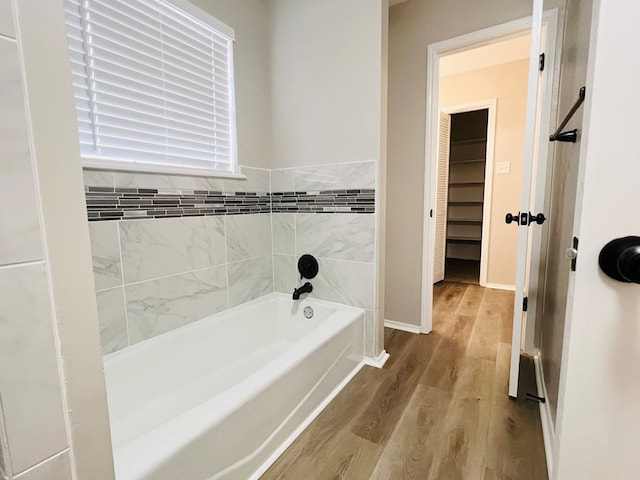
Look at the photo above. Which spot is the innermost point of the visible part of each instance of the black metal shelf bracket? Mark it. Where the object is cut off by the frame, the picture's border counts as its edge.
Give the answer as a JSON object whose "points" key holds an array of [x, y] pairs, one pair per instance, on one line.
{"points": [[570, 135]]}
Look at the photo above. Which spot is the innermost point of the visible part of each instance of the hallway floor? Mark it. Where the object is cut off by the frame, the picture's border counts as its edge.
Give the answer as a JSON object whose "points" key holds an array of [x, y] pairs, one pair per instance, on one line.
{"points": [[438, 410]]}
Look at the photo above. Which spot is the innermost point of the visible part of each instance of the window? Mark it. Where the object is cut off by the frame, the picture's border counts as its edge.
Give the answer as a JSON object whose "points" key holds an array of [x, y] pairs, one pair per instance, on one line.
{"points": [[153, 86]]}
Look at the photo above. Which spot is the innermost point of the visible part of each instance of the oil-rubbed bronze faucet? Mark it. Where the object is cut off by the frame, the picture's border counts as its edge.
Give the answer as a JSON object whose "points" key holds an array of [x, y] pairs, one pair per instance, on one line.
{"points": [[306, 288]]}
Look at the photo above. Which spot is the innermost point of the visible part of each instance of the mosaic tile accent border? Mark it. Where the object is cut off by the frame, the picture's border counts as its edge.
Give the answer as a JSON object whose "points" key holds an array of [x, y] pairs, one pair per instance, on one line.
{"points": [[326, 201], [109, 203], [106, 203]]}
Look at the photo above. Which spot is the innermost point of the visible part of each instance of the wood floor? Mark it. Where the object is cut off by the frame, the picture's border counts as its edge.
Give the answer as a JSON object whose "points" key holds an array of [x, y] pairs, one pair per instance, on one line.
{"points": [[462, 271], [438, 410]]}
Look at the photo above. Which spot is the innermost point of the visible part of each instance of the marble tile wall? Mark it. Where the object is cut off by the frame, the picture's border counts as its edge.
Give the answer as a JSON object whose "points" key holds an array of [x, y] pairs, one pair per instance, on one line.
{"points": [[54, 468], [160, 305], [7, 28], [29, 379], [19, 229], [32, 416], [343, 244], [257, 180], [154, 275], [343, 176]]}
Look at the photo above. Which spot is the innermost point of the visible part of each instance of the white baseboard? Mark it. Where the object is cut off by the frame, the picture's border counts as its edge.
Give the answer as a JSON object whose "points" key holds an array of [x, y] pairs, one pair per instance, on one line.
{"points": [[405, 327], [548, 431], [378, 361], [500, 286]]}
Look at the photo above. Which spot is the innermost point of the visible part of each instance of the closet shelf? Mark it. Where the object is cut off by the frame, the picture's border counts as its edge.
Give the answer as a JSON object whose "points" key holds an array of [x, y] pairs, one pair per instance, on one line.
{"points": [[466, 184], [471, 160], [464, 239], [465, 204], [470, 141], [465, 222]]}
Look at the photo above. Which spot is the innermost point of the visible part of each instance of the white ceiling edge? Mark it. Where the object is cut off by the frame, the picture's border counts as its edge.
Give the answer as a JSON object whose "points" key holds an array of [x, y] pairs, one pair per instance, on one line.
{"points": [[497, 53]]}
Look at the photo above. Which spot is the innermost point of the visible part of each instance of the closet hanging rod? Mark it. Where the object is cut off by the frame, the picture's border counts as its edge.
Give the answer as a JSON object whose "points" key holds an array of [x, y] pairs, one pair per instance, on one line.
{"points": [[571, 135]]}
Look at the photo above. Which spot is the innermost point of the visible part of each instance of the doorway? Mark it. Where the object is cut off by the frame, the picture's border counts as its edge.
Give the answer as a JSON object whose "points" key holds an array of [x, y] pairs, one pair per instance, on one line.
{"points": [[502, 73], [537, 113], [451, 59], [463, 197], [482, 106]]}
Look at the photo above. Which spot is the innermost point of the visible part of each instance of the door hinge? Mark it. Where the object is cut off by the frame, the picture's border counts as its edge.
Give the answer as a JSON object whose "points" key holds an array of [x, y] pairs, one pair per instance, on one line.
{"points": [[541, 64], [572, 254], [431, 213], [525, 304]]}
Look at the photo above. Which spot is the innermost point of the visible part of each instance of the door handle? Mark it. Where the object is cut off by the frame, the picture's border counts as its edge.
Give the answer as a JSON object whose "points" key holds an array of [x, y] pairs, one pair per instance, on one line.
{"points": [[524, 218], [539, 218], [510, 218], [620, 259]]}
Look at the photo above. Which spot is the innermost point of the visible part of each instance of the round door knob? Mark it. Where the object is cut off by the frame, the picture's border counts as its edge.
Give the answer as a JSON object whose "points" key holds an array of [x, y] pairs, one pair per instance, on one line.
{"points": [[510, 217], [620, 259]]}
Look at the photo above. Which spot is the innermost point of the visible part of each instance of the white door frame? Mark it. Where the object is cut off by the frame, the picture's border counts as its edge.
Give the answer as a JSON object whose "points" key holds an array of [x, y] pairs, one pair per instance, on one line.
{"points": [[490, 105], [434, 52]]}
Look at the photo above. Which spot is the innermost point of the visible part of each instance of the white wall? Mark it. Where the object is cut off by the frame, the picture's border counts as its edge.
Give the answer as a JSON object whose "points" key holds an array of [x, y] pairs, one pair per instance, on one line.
{"points": [[325, 81], [599, 412], [412, 26]]}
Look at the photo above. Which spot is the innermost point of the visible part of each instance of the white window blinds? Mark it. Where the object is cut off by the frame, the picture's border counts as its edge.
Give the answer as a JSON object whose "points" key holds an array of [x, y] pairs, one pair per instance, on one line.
{"points": [[153, 87]]}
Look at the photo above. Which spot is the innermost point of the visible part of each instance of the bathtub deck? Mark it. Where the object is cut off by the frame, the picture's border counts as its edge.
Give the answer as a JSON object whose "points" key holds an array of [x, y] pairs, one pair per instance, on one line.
{"points": [[438, 410]]}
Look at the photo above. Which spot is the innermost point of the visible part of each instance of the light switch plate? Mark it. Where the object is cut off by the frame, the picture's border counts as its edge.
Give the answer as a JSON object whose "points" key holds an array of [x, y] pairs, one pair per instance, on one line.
{"points": [[503, 168]]}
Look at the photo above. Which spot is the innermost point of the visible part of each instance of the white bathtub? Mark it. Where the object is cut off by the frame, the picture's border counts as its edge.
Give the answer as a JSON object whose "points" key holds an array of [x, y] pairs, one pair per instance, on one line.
{"points": [[224, 396]]}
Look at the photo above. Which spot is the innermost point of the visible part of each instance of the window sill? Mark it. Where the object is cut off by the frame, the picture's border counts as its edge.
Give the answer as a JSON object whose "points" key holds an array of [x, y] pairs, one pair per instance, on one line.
{"points": [[106, 165]]}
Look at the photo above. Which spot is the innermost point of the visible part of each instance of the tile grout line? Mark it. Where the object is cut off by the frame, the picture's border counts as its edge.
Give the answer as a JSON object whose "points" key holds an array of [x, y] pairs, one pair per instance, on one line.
{"points": [[4, 445], [295, 231], [273, 258], [178, 274], [186, 272], [124, 290], [32, 263], [226, 261], [355, 162]]}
